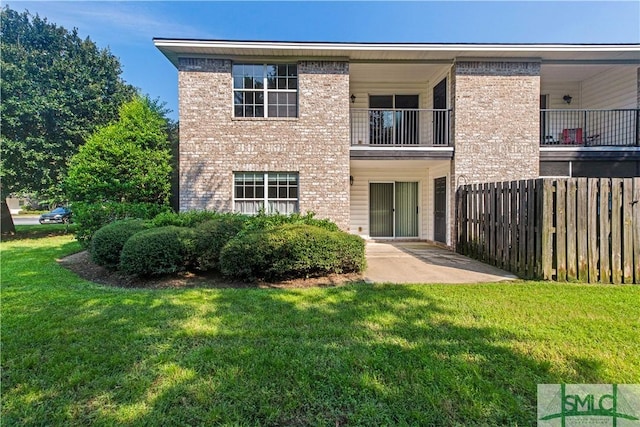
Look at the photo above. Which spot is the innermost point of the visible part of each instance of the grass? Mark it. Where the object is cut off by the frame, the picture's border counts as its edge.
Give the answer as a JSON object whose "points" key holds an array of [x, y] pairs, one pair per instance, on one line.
{"points": [[77, 353]]}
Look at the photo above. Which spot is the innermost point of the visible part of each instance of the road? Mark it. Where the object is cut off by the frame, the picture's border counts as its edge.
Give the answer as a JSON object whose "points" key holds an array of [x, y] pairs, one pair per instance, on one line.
{"points": [[25, 220]]}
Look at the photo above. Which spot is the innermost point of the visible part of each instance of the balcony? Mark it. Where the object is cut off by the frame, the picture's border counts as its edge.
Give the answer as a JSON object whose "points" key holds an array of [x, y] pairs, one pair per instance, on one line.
{"points": [[401, 128], [590, 128]]}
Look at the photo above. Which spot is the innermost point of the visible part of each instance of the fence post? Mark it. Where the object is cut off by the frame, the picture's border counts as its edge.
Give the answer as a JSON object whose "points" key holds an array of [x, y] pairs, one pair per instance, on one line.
{"points": [[627, 230]]}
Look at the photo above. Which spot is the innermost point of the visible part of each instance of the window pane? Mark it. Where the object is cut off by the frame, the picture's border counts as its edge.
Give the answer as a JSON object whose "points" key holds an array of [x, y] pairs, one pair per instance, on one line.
{"points": [[259, 192], [238, 110], [237, 82], [282, 83], [249, 193], [273, 111], [293, 192], [292, 111], [259, 98], [292, 70], [293, 83], [259, 111], [248, 112], [292, 98], [239, 192], [273, 192]]}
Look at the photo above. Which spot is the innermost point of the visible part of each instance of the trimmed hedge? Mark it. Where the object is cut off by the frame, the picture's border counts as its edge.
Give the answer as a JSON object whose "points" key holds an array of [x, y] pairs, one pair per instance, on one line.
{"points": [[212, 235], [184, 219], [292, 251], [90, 217], [158, 251], [263, 221], [107, 242]]}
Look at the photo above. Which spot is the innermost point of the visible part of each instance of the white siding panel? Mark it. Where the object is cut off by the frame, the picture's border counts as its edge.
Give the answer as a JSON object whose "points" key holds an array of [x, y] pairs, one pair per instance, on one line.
{"points": [[614, 88], [556, 90]]}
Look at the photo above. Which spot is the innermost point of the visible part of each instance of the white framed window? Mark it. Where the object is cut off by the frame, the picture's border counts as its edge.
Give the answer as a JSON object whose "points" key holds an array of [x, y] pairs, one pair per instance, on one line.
{"points": [[271, 192], [265, 90]]}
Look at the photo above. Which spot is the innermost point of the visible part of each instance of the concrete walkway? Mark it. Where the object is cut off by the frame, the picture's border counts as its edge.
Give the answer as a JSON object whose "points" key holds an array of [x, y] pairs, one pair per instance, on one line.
{"points": [[419, 262]]}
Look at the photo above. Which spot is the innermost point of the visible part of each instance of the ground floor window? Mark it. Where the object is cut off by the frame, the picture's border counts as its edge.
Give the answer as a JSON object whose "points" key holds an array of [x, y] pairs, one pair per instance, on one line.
{"points": [[271, 192]]}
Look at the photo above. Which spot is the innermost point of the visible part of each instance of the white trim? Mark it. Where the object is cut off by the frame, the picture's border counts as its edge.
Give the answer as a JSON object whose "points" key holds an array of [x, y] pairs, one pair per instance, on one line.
{"points": [[220, 44]]}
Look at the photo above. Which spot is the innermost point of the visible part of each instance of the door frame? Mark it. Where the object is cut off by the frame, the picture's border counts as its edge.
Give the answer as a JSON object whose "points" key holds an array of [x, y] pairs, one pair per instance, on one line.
{"points": [[419, 213]]}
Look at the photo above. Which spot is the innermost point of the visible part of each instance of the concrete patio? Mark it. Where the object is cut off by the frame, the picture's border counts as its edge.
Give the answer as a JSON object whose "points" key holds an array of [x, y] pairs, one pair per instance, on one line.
{"points": [[420, 262]]}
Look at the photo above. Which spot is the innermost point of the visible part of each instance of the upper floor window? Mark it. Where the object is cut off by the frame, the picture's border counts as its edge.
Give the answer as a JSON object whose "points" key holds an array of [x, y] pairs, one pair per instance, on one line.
{"points": [[265, 90]]}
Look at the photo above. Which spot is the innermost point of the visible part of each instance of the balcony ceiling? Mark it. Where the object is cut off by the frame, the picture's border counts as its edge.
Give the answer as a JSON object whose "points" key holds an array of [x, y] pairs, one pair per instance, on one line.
{"points": [[573, 73], [405, 73]]}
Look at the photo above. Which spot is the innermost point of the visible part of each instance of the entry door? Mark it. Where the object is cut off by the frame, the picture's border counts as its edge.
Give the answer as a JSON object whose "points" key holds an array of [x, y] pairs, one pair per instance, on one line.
{"points": [[440, 117], [440, 210], [393, 209]]}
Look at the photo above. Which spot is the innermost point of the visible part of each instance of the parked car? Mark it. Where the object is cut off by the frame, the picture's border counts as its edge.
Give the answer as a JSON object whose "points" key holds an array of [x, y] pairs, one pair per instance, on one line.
{"points": [[60, 215]]}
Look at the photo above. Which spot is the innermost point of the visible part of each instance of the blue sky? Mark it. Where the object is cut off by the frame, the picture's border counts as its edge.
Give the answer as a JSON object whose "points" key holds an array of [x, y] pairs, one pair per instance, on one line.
{"points": [[127, 28]]}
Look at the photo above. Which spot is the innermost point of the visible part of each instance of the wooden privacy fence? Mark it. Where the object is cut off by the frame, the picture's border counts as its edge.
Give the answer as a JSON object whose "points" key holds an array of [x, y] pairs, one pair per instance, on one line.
{"points": [[576, 229]]}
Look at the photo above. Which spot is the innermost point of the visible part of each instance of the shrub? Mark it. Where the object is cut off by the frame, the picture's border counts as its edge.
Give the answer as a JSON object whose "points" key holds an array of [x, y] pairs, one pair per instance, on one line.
{"points": [[90, 217], [108, 241], [291, 251], [264, 221], [212, 235], [157, 251], [183, 219]]}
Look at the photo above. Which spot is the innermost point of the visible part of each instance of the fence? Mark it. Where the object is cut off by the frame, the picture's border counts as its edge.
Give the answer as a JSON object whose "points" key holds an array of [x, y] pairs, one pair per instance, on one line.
{"points": [[554, 229]]}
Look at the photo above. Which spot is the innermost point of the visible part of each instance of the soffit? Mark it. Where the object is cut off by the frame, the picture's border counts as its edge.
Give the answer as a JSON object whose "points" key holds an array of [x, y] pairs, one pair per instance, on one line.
{"points": [[395, 52]]}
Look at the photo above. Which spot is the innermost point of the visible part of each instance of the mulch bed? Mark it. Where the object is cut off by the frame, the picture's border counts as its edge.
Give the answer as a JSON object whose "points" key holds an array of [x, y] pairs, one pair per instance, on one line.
{"points": [[81, 264]]}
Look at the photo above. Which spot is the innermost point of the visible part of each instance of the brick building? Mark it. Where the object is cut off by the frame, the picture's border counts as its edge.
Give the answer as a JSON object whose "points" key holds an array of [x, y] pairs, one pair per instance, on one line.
{"points": [[377, 136]]}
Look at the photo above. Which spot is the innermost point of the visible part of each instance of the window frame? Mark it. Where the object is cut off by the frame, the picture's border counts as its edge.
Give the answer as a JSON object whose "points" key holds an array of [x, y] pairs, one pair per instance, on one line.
{"points": [[264, 202], [265, 90]]}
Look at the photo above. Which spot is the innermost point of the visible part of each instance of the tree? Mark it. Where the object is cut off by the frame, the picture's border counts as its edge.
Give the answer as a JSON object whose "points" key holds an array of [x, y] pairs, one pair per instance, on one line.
{"points": [[128, 161], [56, 90]]}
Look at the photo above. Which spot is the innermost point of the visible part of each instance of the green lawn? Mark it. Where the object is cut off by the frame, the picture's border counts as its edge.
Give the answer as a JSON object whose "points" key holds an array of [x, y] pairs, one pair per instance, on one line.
{"points": [[78, 353]]}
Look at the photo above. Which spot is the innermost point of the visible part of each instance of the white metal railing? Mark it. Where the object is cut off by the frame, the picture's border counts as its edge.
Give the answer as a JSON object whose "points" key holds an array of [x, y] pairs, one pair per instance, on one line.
{"points": [[400, 127]]}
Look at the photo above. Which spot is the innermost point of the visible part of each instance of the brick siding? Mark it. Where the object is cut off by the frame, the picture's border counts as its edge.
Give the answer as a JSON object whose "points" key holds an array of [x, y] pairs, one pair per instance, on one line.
{"points": [[214, 144]]}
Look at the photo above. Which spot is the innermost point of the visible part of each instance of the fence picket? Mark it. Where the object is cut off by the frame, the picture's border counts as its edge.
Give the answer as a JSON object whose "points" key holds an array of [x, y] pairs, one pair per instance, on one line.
{"points": [[582, 235], [561, 230], [593, 232], [627, 230], [636, 229], [605, 226], [616, 231], [571, 227], [522, 228], [547, 229]]}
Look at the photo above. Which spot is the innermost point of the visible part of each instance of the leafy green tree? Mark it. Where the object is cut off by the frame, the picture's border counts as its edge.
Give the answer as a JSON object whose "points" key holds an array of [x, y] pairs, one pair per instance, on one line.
{"points": [[128, 161], [56, 90]]}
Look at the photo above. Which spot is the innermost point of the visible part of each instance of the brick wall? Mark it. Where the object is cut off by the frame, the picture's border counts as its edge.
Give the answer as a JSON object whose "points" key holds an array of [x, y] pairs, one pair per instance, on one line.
{"points": [[496, 123], [214, 144]]}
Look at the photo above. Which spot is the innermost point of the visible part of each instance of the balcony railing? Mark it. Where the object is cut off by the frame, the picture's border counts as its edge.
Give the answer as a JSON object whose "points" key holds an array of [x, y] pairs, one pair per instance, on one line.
{"points": [[589, 128], [400, 127]]}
